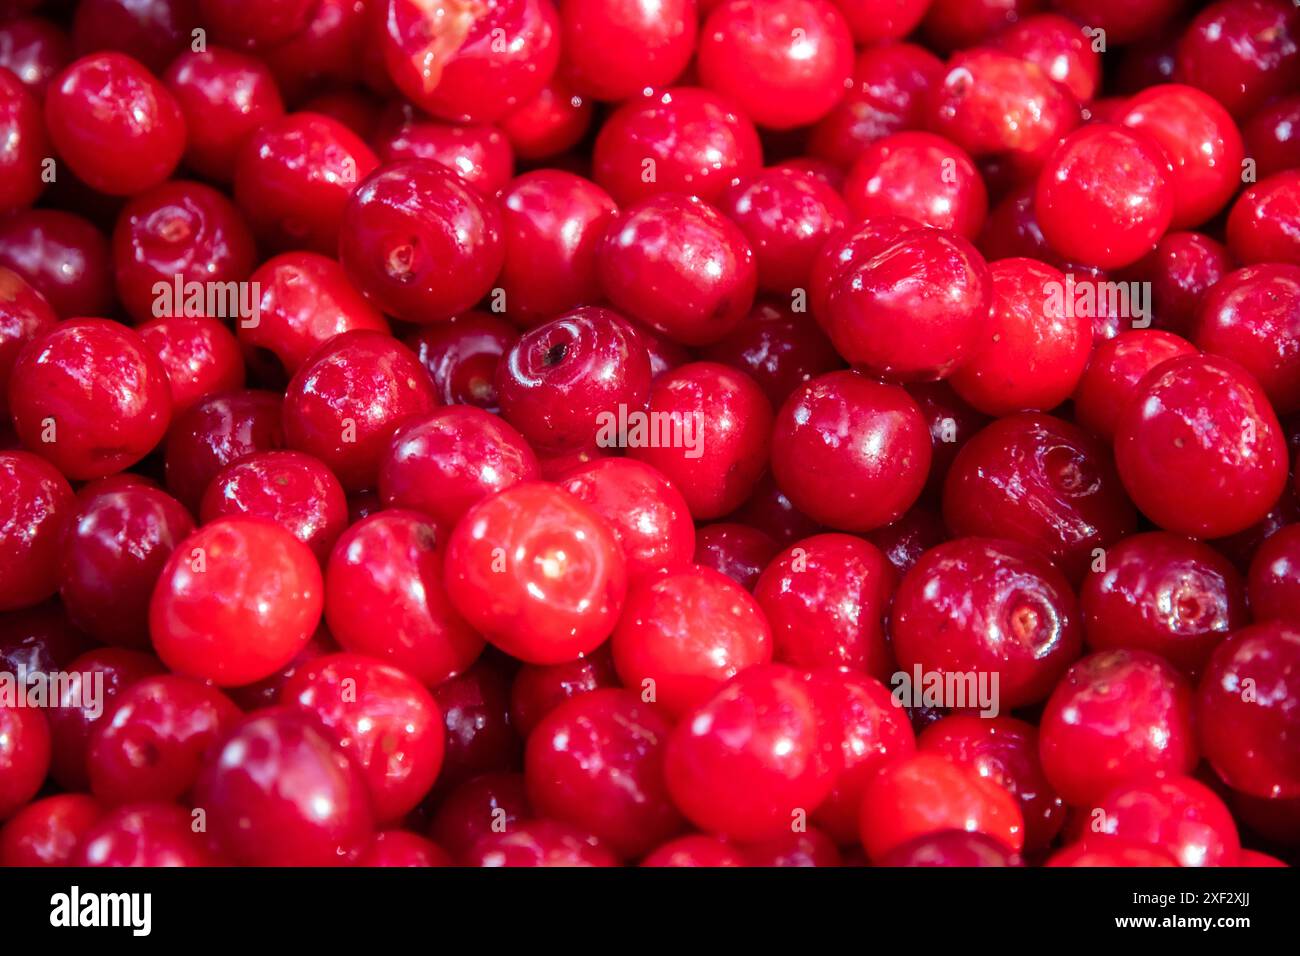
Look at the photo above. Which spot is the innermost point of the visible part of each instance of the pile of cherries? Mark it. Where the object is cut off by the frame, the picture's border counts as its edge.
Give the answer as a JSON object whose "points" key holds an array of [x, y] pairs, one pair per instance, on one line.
{"points": [[350, 570]]}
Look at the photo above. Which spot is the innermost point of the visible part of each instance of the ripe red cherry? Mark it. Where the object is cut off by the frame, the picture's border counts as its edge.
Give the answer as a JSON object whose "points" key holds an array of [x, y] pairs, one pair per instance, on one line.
{"points": [[538, 689], [553, 223], [64, 257], [875, 20], [24, 756], [345, 402], [152, 744], [991, 607], [1264, 219], [35, 502], [215, 432], [293, 179], [1182, 268], [752, 759], [866, 439], [115, 124], [1116, 367], [180, 229], [476, 712], [1180, 816], [597, 761], [480, 154], [25, 146], [225, 97], [537, 572], [201, 357], [678, 265], [384, 598], [1059, 47], [1246, 710], [952, 848], [236, 601], [421, 243], [540, 843], [470, 64], [292, 489], [1271, 136], [34, 50], [40, 639], [736, 550], [462, 355], [1110, 853], [707, 430], [696, 850], [114, 549], [46, 832], [90, 397], [1116, 716], [613, 49], [234, 23], [900, 300], [489, 803], [684, 633], [810, 847], [24, 315], [1242, 52], [1274, 578], [1105, 196], [444, 463], [1166, 594], [567, 383], [278, 793], [144, 834], [548, 123], [683, 140], [1041, 481], [383, 719], [784, 62], [919, 176], [1199, 448], [778, 348], [926, 794], [400, 848], [904, 541], [950, 24]]}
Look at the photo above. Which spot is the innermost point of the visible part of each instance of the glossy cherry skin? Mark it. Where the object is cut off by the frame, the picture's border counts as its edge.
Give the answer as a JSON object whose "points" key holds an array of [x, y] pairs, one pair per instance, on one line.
{"points": [[25, 145], [1182, 268], [143, 834], [225, 97], [678, 265], [1271, 136], [1241, 52], [1246, 710], [63, 257], [1166, 594], [35, 502], [114, 549], [46, 832], [114, 123], [178, 229], [1059, 47], [201, 357], [476, 712], [419, 242], [543, 843], [684, 633], [614, 49], [384, 598], [345, 402], [34, 50], [152, 744], [293, 179], [720, 450], [562, 380], [1105, 196], [597, 761], [382, 718], [1116, 367], [1197, 427], [538, 689], [926, 794], [983, 605], [548, 123], [215, 432], [278, 793], [1110, 853], [736, 550], [1178, 815], [951, 24], [488, 803], [784, 62], [867, 439], [696, 850], [1116, 716], [553, 223], [919, 176], [1263, 221], [901, 301], [1200, 139], [1003, 750], [747, 762], [400, 848], [24, 315], [952, 848], [444, 463], [875, 20], [237, 25], [470, 64], [236, 601], [537, 572], [90, 397], [24, 756], [904, 541], [1041, 481], [462, 356], [1274, 578], [682, 140], [290, 488]]}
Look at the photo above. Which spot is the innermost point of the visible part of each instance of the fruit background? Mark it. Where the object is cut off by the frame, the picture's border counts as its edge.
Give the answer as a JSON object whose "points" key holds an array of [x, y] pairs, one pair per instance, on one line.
{"points": [[649, 432]]}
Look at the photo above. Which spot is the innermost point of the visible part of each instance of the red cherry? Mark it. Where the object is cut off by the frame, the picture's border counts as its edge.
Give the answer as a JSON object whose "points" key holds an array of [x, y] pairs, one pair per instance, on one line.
{"points": [[25, 146], [46, 832], [1263, 221], [540, 843], [490, 803], [696, 850], [63, 257], [736, 550], [403, 849], [143, 834], [1241, 52], [1178, 815], [919, 176], [201, 357], [35, 502], [461, 355], [613, 49], [24, 755], [216, 431], [1116, 367]]}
